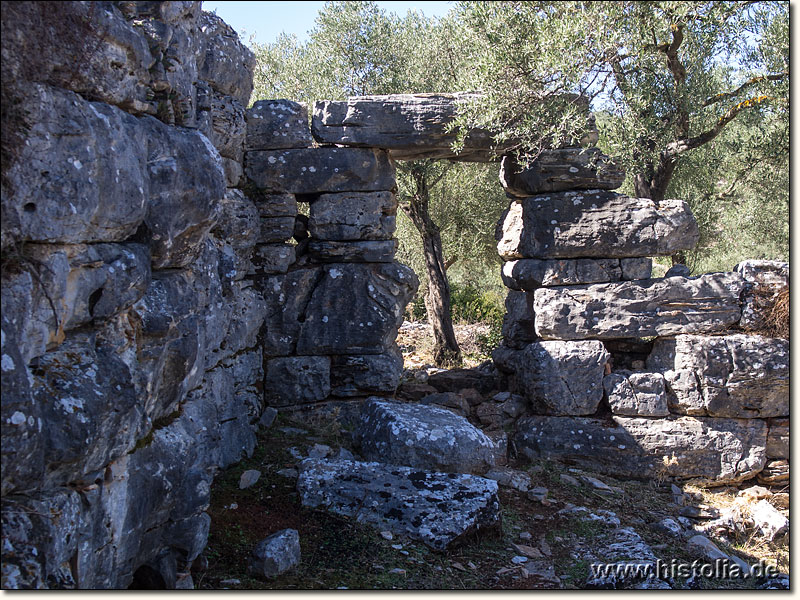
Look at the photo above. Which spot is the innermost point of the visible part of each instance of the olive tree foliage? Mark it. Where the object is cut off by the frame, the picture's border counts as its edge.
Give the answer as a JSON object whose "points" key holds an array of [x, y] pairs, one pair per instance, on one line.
{"points": [[676, 82], [357, 49]]}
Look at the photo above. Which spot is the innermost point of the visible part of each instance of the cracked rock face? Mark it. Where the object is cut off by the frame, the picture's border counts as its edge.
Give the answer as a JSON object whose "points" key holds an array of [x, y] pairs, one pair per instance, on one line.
{"points": [[423, 437], [715, 450], [636, 394], [439, 509], [557, 378], [654, 307], [741, 376], [594, 224]]}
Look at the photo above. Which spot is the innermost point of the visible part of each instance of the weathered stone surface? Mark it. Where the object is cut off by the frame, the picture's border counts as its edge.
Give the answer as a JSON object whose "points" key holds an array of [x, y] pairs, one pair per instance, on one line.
{"points": [[657, 307], [560, 170], [594, 224], [775, 472], [366, 374], [353, 216], [238, 226], [274, 124], [224, 126], [69, 185], [530, 274], [233, 172], [275, 229], [766, 279], [316, 170], [558, 378], [269, 259], [450, 400], [297, 380], [745, 376], [440, 509], [778, 438], [356, 309], [717, 450], [371, 251], [424, 437], [636, 268], [276, 205], [519, 326], [186, 186], [286, 297], [462, 380], [768, 520], [411, 126], [636, 394], [275, 554], [222, 60]]}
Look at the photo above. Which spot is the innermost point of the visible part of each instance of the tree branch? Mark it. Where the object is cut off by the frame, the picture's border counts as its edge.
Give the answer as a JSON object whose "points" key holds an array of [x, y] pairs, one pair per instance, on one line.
{"points": [[744, 86]]}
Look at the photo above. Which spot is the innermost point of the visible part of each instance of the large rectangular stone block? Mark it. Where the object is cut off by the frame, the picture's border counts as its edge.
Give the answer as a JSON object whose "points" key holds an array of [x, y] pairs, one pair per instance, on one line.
{"points": [[653, 307], [353, 216], [743, 376], [275, 124], [594, 224], [321, 170], [720, 451], [410, 126]]}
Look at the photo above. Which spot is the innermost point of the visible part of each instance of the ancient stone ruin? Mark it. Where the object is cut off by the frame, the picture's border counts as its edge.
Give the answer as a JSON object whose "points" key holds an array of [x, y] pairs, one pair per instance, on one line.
{"points": [[162, 292]]}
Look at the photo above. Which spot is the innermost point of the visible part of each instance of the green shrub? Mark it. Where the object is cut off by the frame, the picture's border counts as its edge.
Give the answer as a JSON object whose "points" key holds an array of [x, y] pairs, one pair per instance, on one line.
{"points": [[471, 305]]}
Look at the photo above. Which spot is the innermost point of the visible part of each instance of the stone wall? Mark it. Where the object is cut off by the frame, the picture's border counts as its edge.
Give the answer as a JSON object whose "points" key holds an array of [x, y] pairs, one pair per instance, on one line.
{"points": [[622, 373], [131, 370]]}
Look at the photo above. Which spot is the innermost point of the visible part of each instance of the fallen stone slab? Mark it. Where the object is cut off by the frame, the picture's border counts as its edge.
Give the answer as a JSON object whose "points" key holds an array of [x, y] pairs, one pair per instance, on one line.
{"points": [[636, 394], [275, 124], [559, 170], [740, 376], [421, 436], [410, 126], [529, 274], [557, 378], [717, 451], [353, 216], [594, 224], [439, 509], [315, 170], [654, 307]]}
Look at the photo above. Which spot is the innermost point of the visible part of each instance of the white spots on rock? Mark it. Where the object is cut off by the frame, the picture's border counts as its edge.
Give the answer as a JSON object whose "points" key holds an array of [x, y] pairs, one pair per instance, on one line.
{"points": [[325, 319], [312, 169], [573, 169], [7, 363], [17, 418], [272, 160], [335, 273]]}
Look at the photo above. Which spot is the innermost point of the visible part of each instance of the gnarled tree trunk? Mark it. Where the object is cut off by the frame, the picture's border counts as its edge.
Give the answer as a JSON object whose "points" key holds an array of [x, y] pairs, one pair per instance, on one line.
{"points": [[437, 300]]}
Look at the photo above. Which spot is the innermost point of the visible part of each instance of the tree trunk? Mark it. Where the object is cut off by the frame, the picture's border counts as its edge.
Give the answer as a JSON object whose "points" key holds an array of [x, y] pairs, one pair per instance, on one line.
{"points": [[654, 185], [437, 300]]}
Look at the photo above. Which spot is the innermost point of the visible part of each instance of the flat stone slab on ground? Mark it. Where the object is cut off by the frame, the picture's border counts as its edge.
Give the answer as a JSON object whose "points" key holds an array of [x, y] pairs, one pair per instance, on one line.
{"points": [[635, 309], [719, 451], [440, 509], [422, 436], [594, 224]]}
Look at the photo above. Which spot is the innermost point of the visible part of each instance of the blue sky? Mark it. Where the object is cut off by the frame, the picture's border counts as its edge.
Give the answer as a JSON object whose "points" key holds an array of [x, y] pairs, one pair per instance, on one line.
{"points": [[266, 20]]}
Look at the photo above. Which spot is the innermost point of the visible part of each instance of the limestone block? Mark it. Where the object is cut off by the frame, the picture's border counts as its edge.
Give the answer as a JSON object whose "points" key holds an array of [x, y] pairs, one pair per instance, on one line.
{"points": [[275, 554], [519, 326], [275, 229], [297, 380], [238, 222], [439, 509], [286, 297], [224, 126], [273, 124], [530, 274], [742, 376], [653, 307], [636, 268], [269, 259], [778, 438], [370, 251], [366, 374], [765, 279], [223, 61], [353, 216], [559, 170], [320, 170], [636, 394], [276, 205], [594, 224], [721, 451]]}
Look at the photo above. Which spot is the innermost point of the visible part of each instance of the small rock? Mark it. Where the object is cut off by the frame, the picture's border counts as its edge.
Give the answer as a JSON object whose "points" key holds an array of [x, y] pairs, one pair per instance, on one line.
{"points": [[568, 479], [525, 535], [596, 483], [703, 546], [669, 526], [472, 565], [248, 478], [230, 582], [397, 546], [296, 454], [268, 417], [518, 560], [345, 454], [319, 451], [459, 566], [290, 473], [275, 554], [510, 478], [398, 572], [387, 535], [545, 573], [545, 548], [768, 520], [538, 494], [293, 430], [699, 512], [755, 493], [233, 506], [528, 551]]}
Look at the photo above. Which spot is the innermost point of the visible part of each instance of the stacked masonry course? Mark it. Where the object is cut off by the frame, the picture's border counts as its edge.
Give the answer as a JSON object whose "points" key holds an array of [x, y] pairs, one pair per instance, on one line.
{"points": [[626, 374], [161, 288]]}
